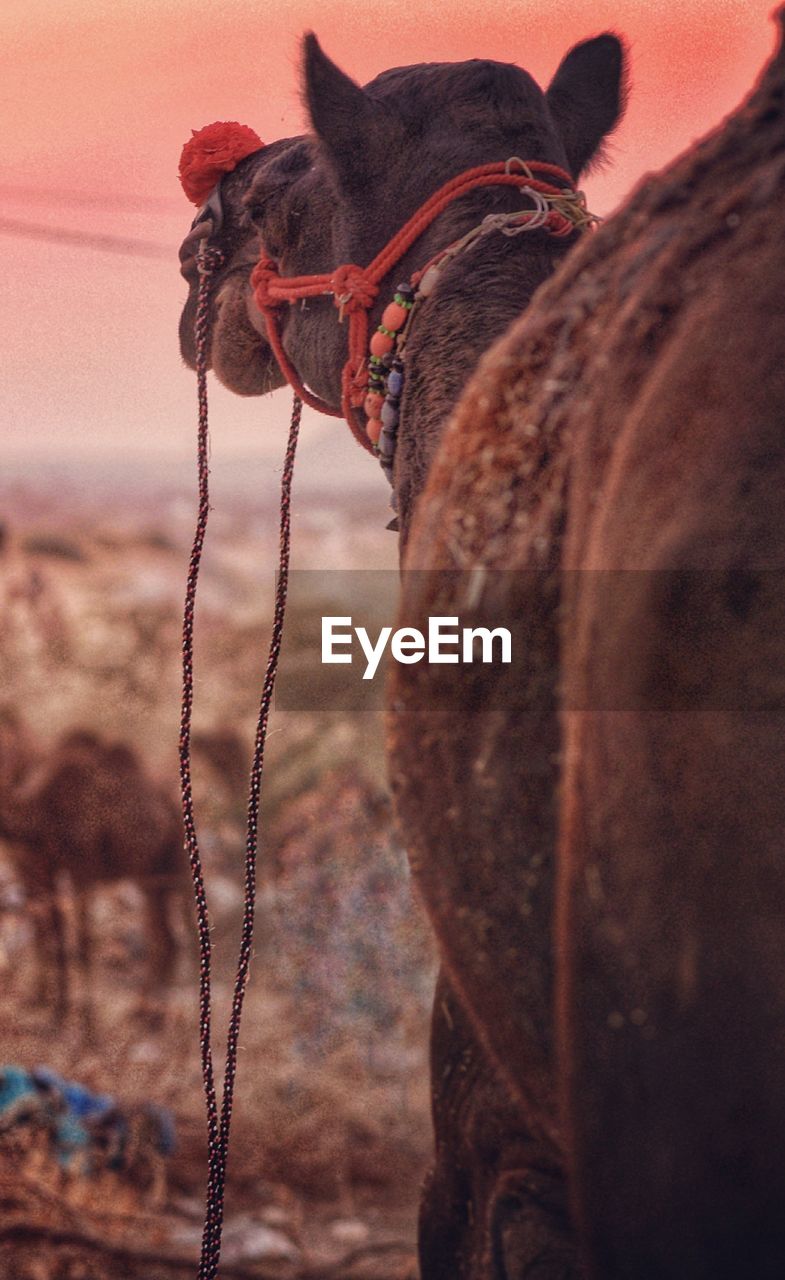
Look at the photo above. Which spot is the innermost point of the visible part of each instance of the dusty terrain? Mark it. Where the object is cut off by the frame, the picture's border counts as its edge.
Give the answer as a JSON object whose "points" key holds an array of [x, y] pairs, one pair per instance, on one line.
{"points": [[331, 1119]]}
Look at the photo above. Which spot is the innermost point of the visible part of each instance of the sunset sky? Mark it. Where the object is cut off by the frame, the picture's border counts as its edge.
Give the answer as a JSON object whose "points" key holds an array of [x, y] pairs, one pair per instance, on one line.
{"points": [[99, 97]]}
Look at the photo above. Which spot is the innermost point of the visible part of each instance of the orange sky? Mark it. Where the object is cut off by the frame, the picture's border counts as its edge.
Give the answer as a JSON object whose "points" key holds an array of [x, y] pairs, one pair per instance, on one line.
{"points": [[98, 98]]}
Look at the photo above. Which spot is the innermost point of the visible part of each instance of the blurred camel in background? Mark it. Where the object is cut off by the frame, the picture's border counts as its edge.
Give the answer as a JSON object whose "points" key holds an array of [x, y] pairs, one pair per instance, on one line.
{"points": [[87, 810]]}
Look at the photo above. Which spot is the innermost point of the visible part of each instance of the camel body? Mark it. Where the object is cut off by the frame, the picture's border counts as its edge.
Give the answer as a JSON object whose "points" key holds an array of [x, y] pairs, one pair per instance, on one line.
{"points": [[86, 810], [599, 831]]}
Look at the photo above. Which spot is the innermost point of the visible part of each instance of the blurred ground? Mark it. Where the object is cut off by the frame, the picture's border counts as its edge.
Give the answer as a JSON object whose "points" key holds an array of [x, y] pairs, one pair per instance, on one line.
{"points": [[331, 1129]]}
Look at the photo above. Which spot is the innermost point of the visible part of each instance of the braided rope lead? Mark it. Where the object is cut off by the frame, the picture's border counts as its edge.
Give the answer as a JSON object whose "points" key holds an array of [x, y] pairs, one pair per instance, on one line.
{"points": [[209, 260], [252, 839]]}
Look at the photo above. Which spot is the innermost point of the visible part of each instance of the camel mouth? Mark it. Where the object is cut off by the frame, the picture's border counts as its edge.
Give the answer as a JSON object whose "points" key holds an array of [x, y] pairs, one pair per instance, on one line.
{"points": [[237, 350], [229, 279]]}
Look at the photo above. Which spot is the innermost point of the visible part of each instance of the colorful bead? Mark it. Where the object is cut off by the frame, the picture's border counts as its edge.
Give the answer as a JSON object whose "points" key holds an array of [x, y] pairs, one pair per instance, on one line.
{"points": [[406, 291], [373, 403], [386, 444], [373, 429], [390, 414], [381, 343], [394, 382], [393, 316]]}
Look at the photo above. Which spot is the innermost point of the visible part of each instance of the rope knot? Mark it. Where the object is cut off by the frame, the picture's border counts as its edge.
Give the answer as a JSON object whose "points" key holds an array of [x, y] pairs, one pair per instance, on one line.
{"points": [[560, 224], [208, 259], [355, 381], [353, 288], [262, 277]]}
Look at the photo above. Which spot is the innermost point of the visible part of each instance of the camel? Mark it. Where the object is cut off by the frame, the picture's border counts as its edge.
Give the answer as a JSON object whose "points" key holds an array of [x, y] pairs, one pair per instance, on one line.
{"points": [[86, 809], [577, 831], [598, 833], [324, 201]]}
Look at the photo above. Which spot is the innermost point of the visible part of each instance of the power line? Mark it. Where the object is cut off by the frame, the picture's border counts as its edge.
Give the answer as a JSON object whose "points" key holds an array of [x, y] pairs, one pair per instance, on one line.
{"points": [[86, 240], [111, 200]]}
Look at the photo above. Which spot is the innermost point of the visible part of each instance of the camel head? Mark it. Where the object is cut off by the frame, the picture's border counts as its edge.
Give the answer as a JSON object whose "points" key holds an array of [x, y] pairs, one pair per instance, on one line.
{"points": [[238, 352], [380, 151]]}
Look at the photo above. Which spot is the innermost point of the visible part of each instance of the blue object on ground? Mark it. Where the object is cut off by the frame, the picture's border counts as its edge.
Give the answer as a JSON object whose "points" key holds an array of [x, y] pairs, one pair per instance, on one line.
{"points": [[79, 1121]]}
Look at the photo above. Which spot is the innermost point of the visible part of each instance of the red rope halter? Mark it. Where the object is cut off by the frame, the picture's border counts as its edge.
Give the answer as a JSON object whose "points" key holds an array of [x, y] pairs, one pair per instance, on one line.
{"points": [[354, 288]]}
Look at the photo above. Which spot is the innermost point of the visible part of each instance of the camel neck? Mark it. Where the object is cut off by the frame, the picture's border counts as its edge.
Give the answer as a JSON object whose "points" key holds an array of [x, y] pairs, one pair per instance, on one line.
{"points": [[480, 295]]}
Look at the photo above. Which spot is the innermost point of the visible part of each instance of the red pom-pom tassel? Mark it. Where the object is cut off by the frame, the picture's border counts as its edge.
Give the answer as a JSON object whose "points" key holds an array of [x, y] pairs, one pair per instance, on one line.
{"points": [[212, 151]]}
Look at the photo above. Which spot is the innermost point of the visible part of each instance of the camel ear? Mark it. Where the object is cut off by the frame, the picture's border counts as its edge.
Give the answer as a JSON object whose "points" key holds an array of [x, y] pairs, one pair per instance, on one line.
{"points": [[587, 97], [342, 114]]}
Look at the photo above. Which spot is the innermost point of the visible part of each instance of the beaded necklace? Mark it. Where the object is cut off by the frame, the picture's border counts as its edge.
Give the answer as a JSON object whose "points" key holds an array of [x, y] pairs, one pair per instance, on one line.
{"points": [[385, 366]]}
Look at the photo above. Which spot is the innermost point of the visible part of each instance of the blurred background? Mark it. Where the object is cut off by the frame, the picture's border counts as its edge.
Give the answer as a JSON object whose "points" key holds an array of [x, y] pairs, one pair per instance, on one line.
{"points": [[101, 1122]]}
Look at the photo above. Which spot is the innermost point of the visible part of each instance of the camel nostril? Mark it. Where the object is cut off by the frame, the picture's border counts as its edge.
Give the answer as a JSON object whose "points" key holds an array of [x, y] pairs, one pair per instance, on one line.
{"points": [[190, 244]]}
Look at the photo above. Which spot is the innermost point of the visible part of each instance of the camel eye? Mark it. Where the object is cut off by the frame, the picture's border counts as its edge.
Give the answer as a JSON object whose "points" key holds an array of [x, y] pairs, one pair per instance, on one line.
{"points": [[247, 222], [254, 215]]}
